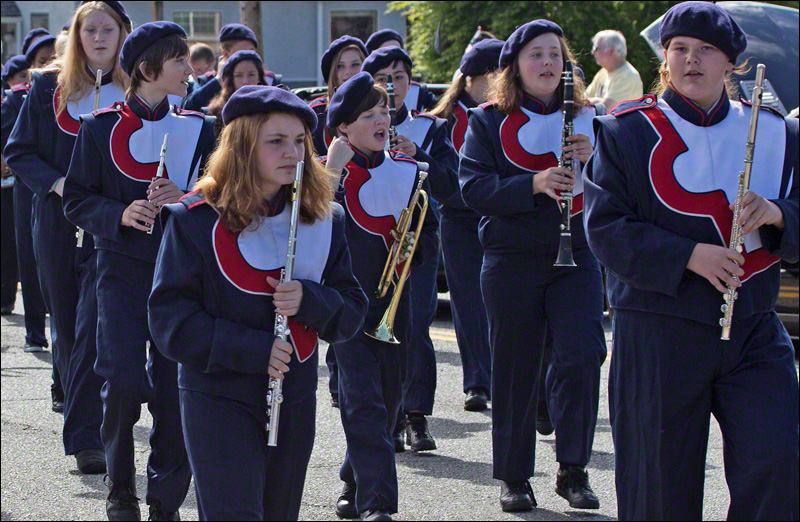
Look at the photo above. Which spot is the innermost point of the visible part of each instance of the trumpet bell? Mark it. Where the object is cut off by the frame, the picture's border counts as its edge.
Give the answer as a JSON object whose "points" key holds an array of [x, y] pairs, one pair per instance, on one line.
{"points": [[384, 332]]}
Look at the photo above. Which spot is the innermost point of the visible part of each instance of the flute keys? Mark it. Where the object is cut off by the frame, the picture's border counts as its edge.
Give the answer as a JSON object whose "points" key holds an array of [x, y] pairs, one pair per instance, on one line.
{"points": [[724, 309]]}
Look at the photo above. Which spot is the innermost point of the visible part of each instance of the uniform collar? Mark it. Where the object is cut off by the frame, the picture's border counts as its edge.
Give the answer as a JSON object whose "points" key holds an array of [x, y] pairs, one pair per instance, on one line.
{"points": [[141, 109], [107, 76], [401, 115], [468, 101], [277, 206], [367, 161], [537, 106], [691, 112]]}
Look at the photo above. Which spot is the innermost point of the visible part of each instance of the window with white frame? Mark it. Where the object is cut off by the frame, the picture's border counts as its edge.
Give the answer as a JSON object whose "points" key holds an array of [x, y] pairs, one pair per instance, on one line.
{"points": [[199, 25]]}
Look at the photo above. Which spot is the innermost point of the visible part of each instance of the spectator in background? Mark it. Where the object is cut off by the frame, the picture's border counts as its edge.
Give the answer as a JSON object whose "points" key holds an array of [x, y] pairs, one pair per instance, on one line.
{"points": [[618, 80], [201, 58]]}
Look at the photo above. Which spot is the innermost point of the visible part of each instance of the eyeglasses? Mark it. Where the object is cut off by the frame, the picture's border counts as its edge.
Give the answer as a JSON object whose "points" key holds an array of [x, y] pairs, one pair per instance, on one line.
{"points": [[595, 48]]}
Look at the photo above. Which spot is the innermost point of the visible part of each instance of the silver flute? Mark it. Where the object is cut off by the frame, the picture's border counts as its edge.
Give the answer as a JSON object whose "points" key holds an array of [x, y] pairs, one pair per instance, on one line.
{"points": [[98, 81], [160, 172], [275, 393]]}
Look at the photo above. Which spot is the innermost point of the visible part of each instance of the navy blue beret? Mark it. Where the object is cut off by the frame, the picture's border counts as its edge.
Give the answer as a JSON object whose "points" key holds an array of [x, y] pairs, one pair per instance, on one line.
{"points": [[240, 56], [707, 22], [378, 38], [523, 35], [14, 65], [38, 44], [120, 10], [258, 99], [347, 97], [482, 58], [32, 35], [237, 32], [385, 57], [143, 37], [336, 46]]}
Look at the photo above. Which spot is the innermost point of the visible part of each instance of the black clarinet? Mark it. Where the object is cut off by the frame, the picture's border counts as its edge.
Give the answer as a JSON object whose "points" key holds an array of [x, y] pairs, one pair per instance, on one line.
{"points": [[392, 109], [565, 245]]}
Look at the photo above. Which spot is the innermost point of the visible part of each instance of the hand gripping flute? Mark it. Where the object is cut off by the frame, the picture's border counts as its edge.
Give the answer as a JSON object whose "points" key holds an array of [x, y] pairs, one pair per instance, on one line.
{"points": [[98, 80], [160, 171], [744, 184], [275, 393], [565, 245]]}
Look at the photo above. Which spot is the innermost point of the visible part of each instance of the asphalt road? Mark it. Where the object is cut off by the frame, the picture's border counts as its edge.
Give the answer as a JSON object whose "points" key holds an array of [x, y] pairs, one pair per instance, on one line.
{"points": [[453, 483]]}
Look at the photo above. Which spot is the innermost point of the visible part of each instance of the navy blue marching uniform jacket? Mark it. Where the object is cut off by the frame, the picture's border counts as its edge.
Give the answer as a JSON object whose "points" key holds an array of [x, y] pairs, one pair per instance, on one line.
{"points": [[419, 98], [205, 92], [374, 189], [524, 293], [662, 177], [211, 311], [23, 199], [322, 140], [39, 151]]}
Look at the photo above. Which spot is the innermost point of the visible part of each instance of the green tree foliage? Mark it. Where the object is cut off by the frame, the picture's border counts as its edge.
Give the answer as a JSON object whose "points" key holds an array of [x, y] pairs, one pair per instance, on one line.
{"points": [[580, 21]]}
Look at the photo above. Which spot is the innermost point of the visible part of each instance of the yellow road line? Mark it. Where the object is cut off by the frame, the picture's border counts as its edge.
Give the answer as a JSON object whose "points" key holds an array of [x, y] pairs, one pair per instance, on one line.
{"points": [[789, 295]]}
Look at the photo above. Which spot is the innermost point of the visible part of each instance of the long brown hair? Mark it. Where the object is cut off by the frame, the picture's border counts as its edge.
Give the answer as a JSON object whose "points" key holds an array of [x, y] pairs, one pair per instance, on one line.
{"points": [[444, 109], [73, 78], [506, 91], [661, 82], [333, 78], [232, 186]]}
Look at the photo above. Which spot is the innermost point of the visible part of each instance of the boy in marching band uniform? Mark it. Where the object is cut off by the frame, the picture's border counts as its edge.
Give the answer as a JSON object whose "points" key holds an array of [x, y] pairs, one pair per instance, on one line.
{"points": [[112, 193]]}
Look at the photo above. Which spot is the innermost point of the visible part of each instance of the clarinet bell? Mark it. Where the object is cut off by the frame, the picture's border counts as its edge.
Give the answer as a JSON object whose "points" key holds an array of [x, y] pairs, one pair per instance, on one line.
{"points": [[565, 251]]}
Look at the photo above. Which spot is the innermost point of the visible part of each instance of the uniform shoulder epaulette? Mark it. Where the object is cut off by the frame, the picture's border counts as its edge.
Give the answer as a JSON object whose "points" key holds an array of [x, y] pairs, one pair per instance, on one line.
{"points": [[399, 156], [763, 107], [317, 102], [645, 102], [323, 159], [425, 115], [117, 107], [414, 83], [209, 74], [193, 199], [487, 105], [270, 74], [187, 112], [21, 87]]}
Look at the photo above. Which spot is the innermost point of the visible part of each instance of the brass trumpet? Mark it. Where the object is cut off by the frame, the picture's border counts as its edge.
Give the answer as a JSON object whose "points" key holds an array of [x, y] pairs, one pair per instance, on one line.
{"points": [[384, 331]]}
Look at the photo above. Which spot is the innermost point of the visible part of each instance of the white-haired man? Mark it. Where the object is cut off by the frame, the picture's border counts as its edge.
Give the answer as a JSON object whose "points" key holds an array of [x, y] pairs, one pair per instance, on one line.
{"points": [[618, 80]]}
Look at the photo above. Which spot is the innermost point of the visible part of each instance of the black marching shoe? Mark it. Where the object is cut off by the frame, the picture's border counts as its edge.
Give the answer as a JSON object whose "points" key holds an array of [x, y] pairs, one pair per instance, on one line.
{"points": [[476, 399], [417, 434], [157, 514], [399, 436], [543, 423], [57, 397], [91, 461], [517, 496], [346, 505], [572, 483], [375, 514], [122, 502]]}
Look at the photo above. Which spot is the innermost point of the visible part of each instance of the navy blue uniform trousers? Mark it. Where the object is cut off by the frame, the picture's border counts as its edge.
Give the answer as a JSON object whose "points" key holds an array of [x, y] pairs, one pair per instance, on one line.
{"points": [[32, 300], [67, 279], [236, 475], [8, 251], [667, 376], [133, 377], [523, 295], [463, 257], [370, 391]]}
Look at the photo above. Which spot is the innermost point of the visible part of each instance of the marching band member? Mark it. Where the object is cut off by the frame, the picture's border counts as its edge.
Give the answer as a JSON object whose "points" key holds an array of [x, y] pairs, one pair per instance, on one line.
{"points": [[111, 192], [659, 216], [201, 58], [463, 253], [340, 62], [216, 293], [242, 68], [511, 150], [232, 38], [39, 48], [39, 151], [425, 138], [418, 97], [376, 186], [16, 72]]}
